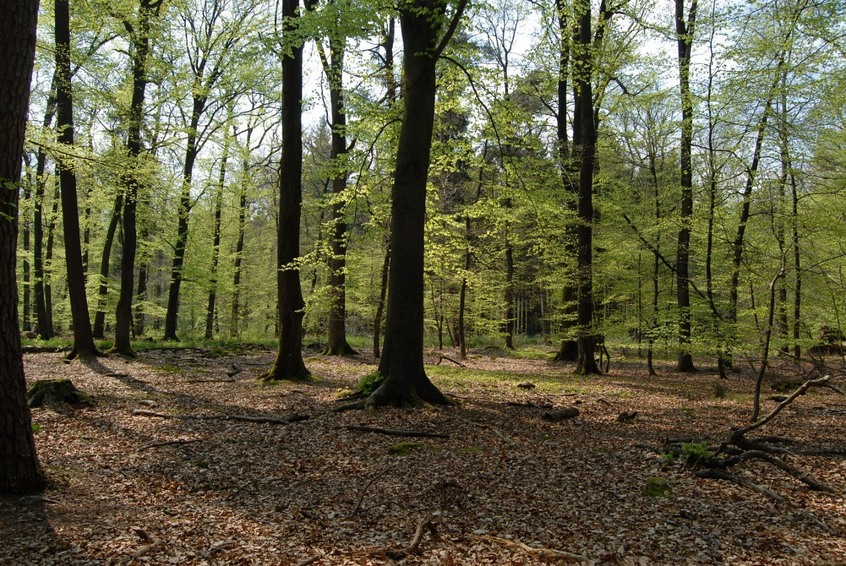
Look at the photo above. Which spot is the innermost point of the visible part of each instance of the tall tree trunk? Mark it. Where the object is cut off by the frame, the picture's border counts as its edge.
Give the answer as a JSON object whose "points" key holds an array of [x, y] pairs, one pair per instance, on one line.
{"points": [[19, 469], [218, 213], [130, 179], [83, 340], [333, 67], [404, 380], [289, 363], [43, 325], [234, 323], [584, 122], [183, 215], [568, 165], [684, 40]]}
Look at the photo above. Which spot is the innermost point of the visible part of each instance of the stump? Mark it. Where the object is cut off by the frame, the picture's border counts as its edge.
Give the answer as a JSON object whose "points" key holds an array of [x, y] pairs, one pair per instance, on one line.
{"points": [[56, 391]]}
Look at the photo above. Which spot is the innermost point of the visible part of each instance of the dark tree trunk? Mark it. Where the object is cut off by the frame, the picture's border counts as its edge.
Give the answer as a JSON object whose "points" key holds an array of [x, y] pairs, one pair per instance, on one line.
{"points": [[404, 380], [389, 33], [105, 258], [140, 297], [140, 37], [19, 469], [509, 292], [568, 165], [48, 256], [218, 213], [234, 325], [380, 306], [183, 215], [289, 363], [42, 320], [586, 363], [684, 39], [83, 340]]}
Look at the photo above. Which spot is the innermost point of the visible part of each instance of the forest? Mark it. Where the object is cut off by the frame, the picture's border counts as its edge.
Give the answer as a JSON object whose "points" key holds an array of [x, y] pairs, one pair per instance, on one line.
{"points": [[595, 238], [715, 148]]}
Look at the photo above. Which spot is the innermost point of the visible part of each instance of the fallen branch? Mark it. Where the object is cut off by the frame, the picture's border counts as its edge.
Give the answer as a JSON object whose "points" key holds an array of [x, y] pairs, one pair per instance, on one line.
{"points": [[367, 486], [396, 432], [542, 551], [423, 525], [447, 358], [161, 443], [737, 434], [723, 475], [245, 418], [209, 381]]}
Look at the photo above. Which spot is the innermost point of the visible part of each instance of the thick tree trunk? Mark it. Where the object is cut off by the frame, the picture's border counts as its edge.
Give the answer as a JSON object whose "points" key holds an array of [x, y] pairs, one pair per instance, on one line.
{"points": [[289, 363], [586, 363], [19, 469], [83, 340], [404, 380], [684, 40]]}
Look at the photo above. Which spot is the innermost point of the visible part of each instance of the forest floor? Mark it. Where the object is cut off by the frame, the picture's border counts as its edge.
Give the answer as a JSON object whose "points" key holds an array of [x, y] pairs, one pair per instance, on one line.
{"points": [[200, 484]]}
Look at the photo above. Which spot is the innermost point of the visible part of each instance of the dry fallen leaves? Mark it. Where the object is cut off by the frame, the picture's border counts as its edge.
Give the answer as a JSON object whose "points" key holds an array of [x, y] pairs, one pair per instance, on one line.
{"points": [[163, 470]]}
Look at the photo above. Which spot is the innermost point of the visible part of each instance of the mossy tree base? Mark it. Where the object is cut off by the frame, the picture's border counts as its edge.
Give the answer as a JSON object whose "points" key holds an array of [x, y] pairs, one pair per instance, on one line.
{"points": [[405, 392], [56, 392]]}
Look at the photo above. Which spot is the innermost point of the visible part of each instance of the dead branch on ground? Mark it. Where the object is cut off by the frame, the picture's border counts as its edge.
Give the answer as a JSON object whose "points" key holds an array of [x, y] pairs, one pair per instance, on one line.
{"points": [[396, 431], [244, 418], [548, 553]]}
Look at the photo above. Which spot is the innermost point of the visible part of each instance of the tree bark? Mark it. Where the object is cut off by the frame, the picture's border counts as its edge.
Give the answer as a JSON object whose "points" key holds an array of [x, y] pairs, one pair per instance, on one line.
{"points": [[333, 67], [218, 213], [289, 363], [83, 340], [684, 40], [19, 468], [584, 115], [404, 380], [42, 320], [140, 39], [568, 165]]}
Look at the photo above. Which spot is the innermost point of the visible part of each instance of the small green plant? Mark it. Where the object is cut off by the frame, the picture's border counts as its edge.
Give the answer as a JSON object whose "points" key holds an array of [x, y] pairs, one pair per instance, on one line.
{"points": [[369, 383], [657, 487], [691, 453], [36, 427], [720, 391], [404, 448]]}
